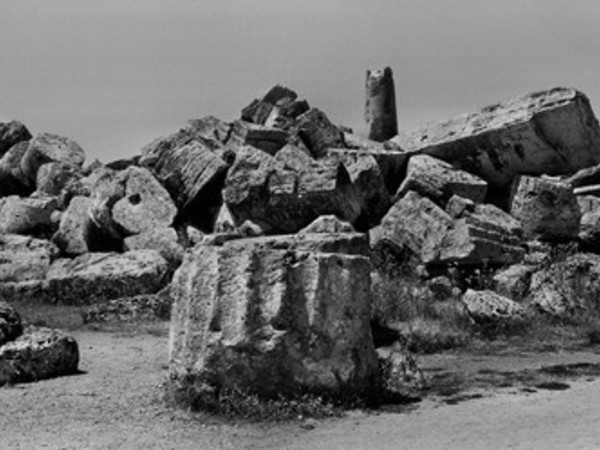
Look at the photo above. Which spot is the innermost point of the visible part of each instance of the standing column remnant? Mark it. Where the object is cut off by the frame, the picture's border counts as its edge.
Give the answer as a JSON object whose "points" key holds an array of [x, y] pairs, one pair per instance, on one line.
{"points": [[380, 108]]}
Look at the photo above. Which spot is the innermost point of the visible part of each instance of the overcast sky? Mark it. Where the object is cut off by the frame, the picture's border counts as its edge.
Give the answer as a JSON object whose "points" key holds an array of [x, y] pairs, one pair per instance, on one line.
{"points": [[115, 74]]}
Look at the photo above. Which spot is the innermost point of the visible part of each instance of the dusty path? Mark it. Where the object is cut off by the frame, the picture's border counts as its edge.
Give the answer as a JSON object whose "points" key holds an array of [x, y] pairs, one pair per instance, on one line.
{"points": [[118, 404]]}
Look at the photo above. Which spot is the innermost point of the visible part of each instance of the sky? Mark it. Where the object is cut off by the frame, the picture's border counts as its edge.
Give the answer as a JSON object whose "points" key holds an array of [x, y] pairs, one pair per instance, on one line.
{"points": [[116, 74]]}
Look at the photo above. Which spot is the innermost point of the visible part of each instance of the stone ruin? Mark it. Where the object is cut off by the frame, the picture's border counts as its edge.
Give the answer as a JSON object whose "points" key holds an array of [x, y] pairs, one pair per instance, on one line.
{"points": [[262, 235]]}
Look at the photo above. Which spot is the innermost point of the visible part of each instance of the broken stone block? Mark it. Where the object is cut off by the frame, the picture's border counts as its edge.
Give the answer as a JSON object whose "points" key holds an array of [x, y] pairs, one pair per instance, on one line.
{"points": [[13, 180], [146, 205], [380, 108], [74, 229], [286, 192], [10, 323], [267, 139], [417, 223], [91, 278], [549, 132], [589, 226], [27, 215], [38, 354], [568, 288], [328, 224], [193, 175], [314, 130], [439, 181], [513, 282], [265, 321], [53, 177], [163, 240], [23, 258], [488, 308], [369, 183], [278, 108], [45, 148], [547, 210], [11, 133]]}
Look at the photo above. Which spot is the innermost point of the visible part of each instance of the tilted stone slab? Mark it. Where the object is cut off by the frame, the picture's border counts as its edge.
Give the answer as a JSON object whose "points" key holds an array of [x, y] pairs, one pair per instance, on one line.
{"points": [[549, 132], [439, 181]]}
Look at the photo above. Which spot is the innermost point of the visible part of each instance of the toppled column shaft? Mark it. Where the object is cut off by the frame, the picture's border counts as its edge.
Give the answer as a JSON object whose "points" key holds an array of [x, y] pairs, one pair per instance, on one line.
{"points": [[380, 108]]}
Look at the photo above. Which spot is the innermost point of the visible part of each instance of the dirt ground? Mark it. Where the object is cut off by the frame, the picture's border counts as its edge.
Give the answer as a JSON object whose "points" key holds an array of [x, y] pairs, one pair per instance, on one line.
{"points": [[117, 402]]}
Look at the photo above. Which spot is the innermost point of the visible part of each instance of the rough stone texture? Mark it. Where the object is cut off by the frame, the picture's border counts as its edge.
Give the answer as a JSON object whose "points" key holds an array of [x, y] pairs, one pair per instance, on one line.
{"points": [[327, 224], [513, 282], [267, 139], [417, 223], [12, 133], [12, 179], [584, 177], [481, 235], [549, 132], [93, 277], [53, 177], [150, 307], [490, 308], [568, 288], [224, 222], [10, 324], [439, 181], [547, 210], [380, 107], [589, 226], [392, 163], [286, 192], [74, 229], [317, 133], [39, 353], [274, 322], [369, 183], [23, 258], [146, 205], [164, 240], [45, 148], [193, 174], [279, 107], [27, 215]]}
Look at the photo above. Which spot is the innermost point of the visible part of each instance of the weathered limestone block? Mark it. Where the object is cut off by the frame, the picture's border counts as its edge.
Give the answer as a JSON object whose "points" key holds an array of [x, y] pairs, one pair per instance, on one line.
{"points": [[286, 192], [12, 133], [483, 235], [315, 131], [328, 224], [74, 229], [380, 108], [547, 210], [53, 177], [45, 148], [13, 180], [568, 288], [513, 282], [439, 181], [91, 278], [193, 174], [10, 323], [490, 308], [550, 132], [268, 139], [107, 187], [27, 215], [23, 258], [38, 354], [273, 322], [392, 163], [589, 226], [163, 240], [278, 108], [146, 205], [369, 183], [417, 223]]}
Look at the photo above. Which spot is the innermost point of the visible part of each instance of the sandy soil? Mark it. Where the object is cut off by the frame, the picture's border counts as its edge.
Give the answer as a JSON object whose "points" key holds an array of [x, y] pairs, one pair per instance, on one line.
{"points": [[118, 403]]}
